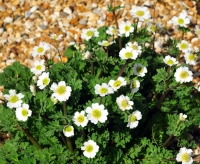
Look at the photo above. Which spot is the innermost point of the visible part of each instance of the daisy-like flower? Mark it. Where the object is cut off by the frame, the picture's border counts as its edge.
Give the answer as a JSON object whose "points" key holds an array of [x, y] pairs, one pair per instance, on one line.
{"points": [[116, 84], [197, 31], [183, 75], [135, 85], [80, 119], [87, 34], [125, 28], [170, 60], [190, 58], [127, 53], [133, 119], [68, 131], [142, 13], [124, 102], [22, 113], [182, 117], [90, 149], [184, 156], [54, 100], [39, 67], [96, 113], [86, 55], [61, 91], [41, 49], [56, 37], [139, 70], [112, 30], [103, 89], [184, 46], [151, 28], [43, 80], [105, 43], [14, 99], [135, 48], [183, 20]]}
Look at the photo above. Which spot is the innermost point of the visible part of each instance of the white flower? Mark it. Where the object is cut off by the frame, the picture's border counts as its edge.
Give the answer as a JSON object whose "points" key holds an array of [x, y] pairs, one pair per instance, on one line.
{"points": [[80, 119], [151, 28], [190, 58], [53, 99], [142, 13], [87, 34], [139, 70], [43, 80], [105, 43], [135, 85], [33, 90], [68, 131], [170, 60], [86, 55], [184, 156], [125, 28], [127, 53], [182, 117], [90, 149], [124, 102], [184, 46], [133, 119], [61, 91], [56, 37], [14, 100], [116, 84], [183, 20], [112, 30], [22, 113], [103, 89], [136, 49], [96, 113], [41, 49], [183, 75], [197, 31], [39, 67]]}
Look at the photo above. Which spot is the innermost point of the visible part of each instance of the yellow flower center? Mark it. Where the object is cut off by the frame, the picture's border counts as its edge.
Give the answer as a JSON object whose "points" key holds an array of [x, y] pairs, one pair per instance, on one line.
{"points": [[180, 21], [185, 157], [127, 28], [40, 49], [96, 113], [61, 90], [153, 28], [191, 57], [38, 67], [134, 84], [170, 62], [132, 118], [124, 103], [198, 32], [134, 47], [14, 99], [114, 31], [103, 90], [184, 74], [140, 13], [89, 148], [128, 54], [45, 81], [183, 46], [81, 118], [89, 33], [106, 44], [24, 112], [139, 69], [117, 83], [68, 129]]}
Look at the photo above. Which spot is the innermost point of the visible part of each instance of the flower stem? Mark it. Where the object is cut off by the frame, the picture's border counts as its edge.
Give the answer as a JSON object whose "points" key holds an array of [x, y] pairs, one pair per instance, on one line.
{"points": [[31, 138], [68, 140], [123, 68]]}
